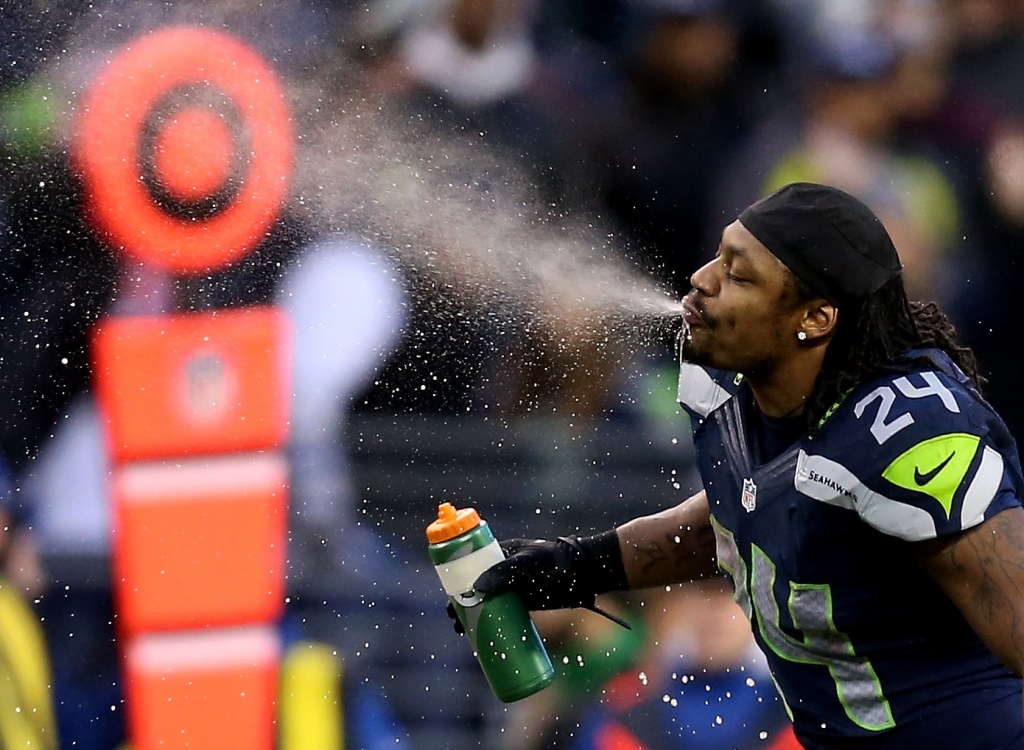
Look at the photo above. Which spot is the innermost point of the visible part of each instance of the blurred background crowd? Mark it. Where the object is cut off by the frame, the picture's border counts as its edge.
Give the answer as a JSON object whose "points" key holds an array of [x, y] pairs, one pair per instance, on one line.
{"points": [[660, 120]]}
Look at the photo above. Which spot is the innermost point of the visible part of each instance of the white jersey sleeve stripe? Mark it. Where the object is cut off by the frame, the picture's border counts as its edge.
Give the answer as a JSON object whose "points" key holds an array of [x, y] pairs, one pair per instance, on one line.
{"points": [[698, 391], [831, 482], [983, 488], [825, 480]]}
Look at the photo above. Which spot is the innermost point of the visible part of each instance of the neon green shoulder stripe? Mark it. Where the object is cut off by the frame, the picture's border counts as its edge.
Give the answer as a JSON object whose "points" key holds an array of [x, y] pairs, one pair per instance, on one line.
{"points": [[937, 466]]}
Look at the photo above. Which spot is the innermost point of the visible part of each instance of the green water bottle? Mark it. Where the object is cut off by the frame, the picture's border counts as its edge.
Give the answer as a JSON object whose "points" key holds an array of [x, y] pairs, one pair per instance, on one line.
{"points": [[499, 628]]}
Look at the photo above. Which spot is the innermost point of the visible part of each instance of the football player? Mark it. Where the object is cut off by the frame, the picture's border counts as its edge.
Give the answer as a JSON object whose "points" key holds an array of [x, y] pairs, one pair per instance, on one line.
{"points": [[859, 492]]}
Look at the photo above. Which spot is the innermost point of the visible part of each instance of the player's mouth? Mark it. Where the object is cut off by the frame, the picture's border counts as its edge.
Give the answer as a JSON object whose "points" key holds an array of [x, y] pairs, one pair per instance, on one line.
{"points": [[691, 315]]}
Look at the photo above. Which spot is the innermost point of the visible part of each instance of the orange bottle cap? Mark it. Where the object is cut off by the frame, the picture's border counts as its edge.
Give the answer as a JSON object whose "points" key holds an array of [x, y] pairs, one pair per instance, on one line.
{"points": [[451, 522]]}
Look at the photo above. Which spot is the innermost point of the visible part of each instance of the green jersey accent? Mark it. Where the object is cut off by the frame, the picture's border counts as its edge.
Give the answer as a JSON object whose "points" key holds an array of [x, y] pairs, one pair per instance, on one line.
{"points": [[822, 643], [936, 467]]}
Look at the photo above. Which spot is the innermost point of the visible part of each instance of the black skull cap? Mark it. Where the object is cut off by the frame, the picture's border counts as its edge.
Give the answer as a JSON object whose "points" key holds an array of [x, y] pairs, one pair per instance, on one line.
{"points": [[830, 240]]}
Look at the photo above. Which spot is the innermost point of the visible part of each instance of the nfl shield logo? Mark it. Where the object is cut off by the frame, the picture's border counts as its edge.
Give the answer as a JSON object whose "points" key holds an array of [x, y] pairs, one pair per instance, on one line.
{"points": [[749, 498]]}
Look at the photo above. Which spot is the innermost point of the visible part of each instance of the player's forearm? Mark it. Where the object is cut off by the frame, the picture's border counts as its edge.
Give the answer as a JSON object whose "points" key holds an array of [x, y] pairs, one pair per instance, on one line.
{"points": [[982, 572], [672, 546]]}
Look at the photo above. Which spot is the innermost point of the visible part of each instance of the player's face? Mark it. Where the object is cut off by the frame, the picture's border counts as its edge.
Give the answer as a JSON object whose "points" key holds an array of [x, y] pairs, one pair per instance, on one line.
{"points": [[740, 314]]}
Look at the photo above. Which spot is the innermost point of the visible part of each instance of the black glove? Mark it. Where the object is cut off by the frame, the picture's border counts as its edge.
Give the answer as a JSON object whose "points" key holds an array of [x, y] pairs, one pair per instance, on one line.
{"points": [[566, 572], [456, 622]]}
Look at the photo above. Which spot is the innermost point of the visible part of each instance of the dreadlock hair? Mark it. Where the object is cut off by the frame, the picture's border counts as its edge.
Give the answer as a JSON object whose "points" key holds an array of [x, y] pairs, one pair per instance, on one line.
{"points": [[876, 336]]}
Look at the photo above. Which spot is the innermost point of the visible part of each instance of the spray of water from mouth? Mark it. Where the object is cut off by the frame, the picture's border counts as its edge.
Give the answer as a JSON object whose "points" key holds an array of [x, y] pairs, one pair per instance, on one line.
{"points": [[457, 216], [454, 211]]}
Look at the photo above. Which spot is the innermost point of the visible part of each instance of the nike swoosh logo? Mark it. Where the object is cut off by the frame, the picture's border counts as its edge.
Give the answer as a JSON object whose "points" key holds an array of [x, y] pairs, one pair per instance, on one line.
{"points": [[923, 479]]}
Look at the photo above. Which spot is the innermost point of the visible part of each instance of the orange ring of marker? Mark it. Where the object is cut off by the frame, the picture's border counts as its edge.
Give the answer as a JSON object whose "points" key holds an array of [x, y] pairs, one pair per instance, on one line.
{"points": [[128, 160]]}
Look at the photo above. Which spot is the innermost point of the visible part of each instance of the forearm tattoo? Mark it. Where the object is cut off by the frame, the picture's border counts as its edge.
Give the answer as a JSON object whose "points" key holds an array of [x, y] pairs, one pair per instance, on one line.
{"points": [[983, 571], [679, 556]]}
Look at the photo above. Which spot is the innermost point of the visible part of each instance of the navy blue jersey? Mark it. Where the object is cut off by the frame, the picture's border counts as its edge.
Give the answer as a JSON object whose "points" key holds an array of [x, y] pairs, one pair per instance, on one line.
{"points": [[867, 651]]}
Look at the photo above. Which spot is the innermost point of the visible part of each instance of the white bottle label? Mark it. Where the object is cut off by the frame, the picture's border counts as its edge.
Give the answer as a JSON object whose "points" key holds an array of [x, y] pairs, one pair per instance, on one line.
{"points": [[458, 576]]}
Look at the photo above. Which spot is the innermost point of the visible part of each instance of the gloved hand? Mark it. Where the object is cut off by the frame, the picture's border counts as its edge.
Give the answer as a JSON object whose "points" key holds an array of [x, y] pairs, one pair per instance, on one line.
{"points": [[566, 572], [456, 622], [546, 574]]}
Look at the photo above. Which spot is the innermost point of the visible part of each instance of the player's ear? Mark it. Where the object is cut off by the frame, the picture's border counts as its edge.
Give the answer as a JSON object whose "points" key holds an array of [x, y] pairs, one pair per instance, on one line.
{"points": [[818, 322]]}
